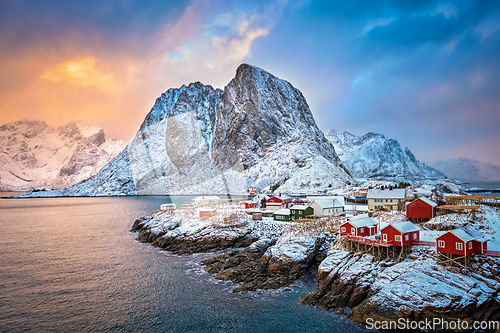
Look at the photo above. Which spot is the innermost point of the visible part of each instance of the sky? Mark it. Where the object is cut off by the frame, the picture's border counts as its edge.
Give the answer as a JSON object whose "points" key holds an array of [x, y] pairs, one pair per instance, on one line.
{"points": [[426, 73]]}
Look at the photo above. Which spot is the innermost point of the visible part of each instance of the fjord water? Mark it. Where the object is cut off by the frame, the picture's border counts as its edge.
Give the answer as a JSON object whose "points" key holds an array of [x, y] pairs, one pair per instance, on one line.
{"points": [[70, 264]]}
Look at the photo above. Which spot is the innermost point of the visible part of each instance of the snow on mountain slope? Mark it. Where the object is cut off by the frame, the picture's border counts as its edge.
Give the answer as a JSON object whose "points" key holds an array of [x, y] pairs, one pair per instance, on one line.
{"points": [[373, 155], [468, 170], [197, 139], [37, 156]]}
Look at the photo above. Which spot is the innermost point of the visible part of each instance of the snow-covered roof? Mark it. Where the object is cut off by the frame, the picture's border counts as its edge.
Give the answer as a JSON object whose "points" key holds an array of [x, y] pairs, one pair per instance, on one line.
{"points": [[467, 234], [283, 211], [327, 203], [362, 221], [403, 227], [427, 201], [397, 193], [299, 207], [339, 198]]}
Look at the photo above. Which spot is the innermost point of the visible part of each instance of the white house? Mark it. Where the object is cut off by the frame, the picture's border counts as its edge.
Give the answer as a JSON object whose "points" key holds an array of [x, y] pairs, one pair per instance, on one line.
{"points": [[327, 207]]}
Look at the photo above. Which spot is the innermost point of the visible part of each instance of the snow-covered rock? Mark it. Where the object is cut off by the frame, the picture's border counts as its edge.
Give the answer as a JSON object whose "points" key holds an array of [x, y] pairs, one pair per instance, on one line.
{"points": [[196, 139], [374, 156], [37, 156]]}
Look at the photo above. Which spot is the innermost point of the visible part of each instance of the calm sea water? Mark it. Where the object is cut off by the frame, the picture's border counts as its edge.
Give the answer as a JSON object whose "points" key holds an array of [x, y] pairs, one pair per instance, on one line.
{"points": [[70, 264], [487, 186]]}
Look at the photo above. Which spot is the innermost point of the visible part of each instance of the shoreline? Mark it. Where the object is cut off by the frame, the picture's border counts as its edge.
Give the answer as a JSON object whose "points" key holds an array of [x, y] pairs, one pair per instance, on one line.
{"points": [[348, 283]]}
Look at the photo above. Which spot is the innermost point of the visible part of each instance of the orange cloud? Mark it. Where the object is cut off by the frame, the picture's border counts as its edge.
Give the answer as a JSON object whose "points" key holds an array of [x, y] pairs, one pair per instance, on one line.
{"points": [[89, 80]]}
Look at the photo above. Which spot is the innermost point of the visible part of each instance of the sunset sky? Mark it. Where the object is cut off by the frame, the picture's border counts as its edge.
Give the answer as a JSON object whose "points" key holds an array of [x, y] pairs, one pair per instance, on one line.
{"points": [[426, 73]]}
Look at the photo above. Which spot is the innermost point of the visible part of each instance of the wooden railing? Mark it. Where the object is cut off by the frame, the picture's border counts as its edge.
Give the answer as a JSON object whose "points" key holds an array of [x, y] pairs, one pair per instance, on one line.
{"points": [[368, 240], [493, 253], [421, 242]]}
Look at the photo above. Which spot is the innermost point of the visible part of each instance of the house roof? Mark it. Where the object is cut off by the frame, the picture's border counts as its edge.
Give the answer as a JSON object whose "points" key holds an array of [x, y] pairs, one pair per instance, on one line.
{"points": [[362, 221], [327, 203], [427, 201], [299, 207], [397, 193], [283, 211], [467, 234], [403, 227], [248, 202]]}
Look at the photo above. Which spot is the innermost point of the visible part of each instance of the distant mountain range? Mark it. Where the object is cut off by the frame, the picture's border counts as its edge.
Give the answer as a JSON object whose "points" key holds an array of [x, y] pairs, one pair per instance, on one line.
{"points": [[468, 170], [374, 156], [35, 156], [257, 132]]}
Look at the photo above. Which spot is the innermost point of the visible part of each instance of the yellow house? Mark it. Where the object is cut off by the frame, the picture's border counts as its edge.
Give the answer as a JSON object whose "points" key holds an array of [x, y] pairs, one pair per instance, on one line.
{"points": [[385, 199]]}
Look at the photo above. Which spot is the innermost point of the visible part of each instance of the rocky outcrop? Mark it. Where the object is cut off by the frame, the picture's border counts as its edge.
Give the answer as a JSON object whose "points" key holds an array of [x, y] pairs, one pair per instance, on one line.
{"points": [[262, 256], [415, 288]]}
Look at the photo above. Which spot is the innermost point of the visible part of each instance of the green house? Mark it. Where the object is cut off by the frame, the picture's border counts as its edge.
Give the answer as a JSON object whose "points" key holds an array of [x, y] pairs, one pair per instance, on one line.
{"points": [[282, 215], [300, 212]]}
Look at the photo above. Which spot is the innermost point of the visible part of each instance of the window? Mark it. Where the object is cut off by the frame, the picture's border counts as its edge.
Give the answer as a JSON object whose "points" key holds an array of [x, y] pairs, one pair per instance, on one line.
{"points": [[353, 231], [300, 212], [397, 238], [386, 200], [470, 245], [342, 229], [458, 246], [384, 237], [415, 236], [407, 237], [440, 243], [391, 200]]}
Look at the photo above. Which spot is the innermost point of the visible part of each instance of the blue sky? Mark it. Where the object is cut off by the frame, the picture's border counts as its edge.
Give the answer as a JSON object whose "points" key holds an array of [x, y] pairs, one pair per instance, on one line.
{"points": [[423, 72]]}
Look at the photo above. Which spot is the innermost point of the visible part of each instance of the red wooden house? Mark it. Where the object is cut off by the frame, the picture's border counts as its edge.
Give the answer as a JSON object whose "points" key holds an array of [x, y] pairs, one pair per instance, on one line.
{"points": [[463, 241], [421, 208], [206, 213], [400, 233], [248, 204], [359, 226], [285, 200]]}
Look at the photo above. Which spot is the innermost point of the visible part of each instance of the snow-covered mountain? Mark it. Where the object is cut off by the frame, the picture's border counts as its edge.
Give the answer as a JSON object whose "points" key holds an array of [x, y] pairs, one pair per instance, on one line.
{"points": [[373, 155], [34, 155], [196, 139], [468, 170]]}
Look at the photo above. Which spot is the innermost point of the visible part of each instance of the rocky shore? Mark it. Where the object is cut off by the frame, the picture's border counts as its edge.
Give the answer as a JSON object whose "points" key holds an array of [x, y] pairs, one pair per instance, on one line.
{"points": [[259, 255], [270, 254]]}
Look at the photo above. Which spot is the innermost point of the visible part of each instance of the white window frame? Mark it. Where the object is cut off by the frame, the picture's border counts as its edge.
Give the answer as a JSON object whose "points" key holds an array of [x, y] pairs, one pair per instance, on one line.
{"points": [[384, 237], [415, 235], [397, 238], [407, 237], [441, 244], [353, 231], [342, 229], [459, 246], [362, 230], [470, 245]]}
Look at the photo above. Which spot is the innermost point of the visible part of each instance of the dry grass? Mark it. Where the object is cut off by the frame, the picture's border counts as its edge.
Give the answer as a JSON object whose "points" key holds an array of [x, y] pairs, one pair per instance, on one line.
{"points": [[315, 227]]}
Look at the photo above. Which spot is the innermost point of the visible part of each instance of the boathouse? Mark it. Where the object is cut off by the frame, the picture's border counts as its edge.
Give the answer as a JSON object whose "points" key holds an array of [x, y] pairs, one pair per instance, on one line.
{"points": [[400, 233], [359, 226], [325, 206], [463, 242], [285, 200], [421, 209], [206, 213], [248, 204]]}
